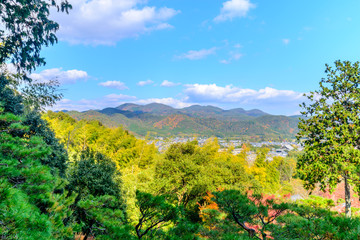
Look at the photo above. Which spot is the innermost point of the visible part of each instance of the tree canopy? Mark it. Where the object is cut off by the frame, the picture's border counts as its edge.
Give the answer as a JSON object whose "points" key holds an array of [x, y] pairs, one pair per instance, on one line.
{"points": [[27, 28], [330, 131]]}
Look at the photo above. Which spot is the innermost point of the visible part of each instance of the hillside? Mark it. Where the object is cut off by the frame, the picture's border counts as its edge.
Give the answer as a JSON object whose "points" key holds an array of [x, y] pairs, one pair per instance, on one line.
{"points": [[162, 120]]}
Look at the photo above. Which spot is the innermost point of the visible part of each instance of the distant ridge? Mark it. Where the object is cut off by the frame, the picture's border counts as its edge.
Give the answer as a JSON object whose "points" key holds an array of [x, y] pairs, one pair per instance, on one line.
{"points": [[252, 112], [162, 108], [151, 108], [162, 120]]}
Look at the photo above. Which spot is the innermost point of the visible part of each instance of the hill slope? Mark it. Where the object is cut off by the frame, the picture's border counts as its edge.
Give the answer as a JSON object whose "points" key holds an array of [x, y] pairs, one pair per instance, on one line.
{"points": [[162, 120]]}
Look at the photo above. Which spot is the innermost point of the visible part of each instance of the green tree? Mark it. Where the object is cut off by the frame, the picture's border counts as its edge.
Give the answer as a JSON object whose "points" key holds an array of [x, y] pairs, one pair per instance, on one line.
{"points": [[95, 174], [103, 217], [32, 197], [254, 213], [188, 171], [309, 221], [58, 158], [285, 166], [179, 174], [96, 182], [32, 205], [27, 29], [10, 101], [330, 132], [155, 212]]}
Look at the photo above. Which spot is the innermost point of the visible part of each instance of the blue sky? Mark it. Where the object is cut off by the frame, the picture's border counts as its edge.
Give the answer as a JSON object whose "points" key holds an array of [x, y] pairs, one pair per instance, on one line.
{"points": [[236, 53]]}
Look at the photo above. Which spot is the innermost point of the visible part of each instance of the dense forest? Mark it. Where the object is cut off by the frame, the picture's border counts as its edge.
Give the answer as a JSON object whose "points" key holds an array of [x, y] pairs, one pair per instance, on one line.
{"points": [[156, 119], [62, 178]]}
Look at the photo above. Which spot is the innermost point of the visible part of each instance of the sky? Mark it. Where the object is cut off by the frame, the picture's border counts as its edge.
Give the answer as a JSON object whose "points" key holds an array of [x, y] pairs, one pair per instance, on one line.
{"points": [[251, 54]]}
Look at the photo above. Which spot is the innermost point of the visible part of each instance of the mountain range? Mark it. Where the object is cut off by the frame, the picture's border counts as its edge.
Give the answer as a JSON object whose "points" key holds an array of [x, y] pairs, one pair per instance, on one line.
{"points": [[161, 120]]}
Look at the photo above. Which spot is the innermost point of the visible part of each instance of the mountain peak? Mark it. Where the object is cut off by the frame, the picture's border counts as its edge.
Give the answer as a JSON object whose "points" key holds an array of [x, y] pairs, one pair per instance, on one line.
{"points": [[128, 106], [203, 108]]}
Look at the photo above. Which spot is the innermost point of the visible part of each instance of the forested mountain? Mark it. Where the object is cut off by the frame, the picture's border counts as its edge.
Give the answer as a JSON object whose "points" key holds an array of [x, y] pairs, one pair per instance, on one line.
{"points": [[163, 120]]}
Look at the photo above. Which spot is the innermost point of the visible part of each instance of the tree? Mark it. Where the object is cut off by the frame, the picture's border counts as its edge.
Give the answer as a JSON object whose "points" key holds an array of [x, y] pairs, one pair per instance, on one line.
{"points": [[104, 218], [95, 181], [180, 171], [98, 207], [58, 158], [30, 204], [92, 173], [313, 221], [32, 197], [155, 212], [330, 131], [252, 212], [12, 102], [27, 29]]}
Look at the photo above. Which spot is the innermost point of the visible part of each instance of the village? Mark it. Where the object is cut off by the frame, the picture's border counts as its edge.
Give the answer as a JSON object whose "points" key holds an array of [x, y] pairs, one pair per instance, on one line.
{"points": [[277, 149]]}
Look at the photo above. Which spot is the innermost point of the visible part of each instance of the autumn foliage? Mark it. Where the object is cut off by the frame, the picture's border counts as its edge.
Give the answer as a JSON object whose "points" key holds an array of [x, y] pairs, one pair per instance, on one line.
{"points": [[251, 212]]}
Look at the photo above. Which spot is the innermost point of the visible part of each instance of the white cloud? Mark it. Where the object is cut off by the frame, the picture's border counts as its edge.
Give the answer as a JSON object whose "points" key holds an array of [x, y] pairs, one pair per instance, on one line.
{"points": [[196, 55], [176, 103], [111, 100], [209, 93], [68, 104], [143, 83], [224, 61], [8, 68], [167, 83], [64, 77], [286, 41], [271, 93], [234, 9], [114, 100], [233, 56], [104, 22], [114, 84], [236, 56]]}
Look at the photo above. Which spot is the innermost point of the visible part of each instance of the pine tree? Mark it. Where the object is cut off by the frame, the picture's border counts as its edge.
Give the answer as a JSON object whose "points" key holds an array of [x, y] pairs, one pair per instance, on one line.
{"points": [[30, 208]]}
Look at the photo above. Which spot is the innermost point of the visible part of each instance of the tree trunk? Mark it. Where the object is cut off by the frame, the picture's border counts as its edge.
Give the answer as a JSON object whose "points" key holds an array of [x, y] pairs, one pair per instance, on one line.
{"points": [[347, 198]]}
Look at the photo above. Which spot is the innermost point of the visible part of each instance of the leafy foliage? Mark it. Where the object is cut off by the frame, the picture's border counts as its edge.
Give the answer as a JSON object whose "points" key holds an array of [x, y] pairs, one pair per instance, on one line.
{"points": [[93, 173], [30, 208], [98, 204], [253, 213], [154, 212], [188, 171], [331, 131], [28, 28], [103, 217], [309, 222]]}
